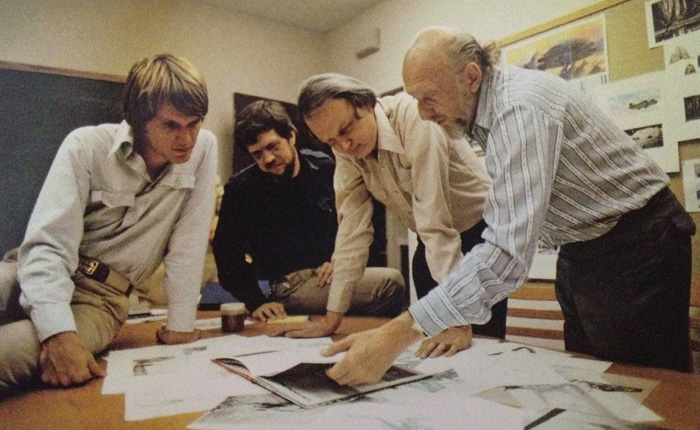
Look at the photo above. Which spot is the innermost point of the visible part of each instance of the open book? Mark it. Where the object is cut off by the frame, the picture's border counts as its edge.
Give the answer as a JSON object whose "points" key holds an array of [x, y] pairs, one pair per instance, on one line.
{"points": [[305, 383]]}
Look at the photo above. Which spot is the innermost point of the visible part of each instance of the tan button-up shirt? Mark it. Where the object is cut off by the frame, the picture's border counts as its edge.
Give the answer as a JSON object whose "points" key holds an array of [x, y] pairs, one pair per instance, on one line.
{"points": [[435, 185]]}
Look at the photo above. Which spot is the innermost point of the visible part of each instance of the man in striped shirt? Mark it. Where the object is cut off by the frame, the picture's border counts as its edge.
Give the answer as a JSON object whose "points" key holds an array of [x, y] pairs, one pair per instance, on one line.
{"points": [[563, 173]]}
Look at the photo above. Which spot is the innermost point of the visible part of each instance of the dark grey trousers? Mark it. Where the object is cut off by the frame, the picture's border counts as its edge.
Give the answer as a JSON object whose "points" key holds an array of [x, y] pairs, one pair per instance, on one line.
{"points": [[625, 295]]}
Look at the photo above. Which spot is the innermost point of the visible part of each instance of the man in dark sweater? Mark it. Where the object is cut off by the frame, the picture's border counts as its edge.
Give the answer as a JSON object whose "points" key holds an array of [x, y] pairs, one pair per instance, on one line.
{"points": [[278, 222]]}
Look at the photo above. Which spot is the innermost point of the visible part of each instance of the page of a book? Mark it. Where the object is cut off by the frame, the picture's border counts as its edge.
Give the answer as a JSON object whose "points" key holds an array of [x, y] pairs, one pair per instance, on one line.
{"points": [[307, 385]]}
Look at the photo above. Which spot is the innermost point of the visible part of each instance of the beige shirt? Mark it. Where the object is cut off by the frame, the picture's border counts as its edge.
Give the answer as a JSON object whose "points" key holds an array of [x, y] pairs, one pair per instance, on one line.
{"points": [[435, 185]]}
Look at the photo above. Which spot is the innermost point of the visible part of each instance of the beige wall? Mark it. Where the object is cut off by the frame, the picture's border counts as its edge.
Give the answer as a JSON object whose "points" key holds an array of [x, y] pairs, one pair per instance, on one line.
{"points": [[238, 53], [399, 21], [235, 52]]}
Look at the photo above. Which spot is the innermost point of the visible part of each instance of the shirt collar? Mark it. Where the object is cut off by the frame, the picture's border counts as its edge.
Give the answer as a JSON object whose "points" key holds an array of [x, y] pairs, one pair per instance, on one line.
{"points": [[484, 111], [387, 139], [306, 162], [123, 148], [123, 140]]}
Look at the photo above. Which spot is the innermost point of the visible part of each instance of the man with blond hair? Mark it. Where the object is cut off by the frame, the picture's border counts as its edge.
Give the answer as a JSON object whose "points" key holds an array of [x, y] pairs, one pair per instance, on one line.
{"points": [[118, 200]]}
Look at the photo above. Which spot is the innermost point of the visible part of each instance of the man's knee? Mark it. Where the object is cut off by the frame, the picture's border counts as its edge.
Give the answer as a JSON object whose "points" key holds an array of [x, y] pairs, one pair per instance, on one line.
{"points": [[390, 291], [395, 285], [96, 328], [10, 309], [19, 355]]}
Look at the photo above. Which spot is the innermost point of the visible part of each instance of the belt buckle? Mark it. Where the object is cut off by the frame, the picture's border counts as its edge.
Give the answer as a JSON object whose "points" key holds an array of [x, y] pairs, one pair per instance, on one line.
{"points": [[280, 289], [88, 266], [93, 269]]}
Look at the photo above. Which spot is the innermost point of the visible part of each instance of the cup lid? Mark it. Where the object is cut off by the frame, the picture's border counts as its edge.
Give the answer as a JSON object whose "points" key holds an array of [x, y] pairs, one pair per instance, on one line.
{"points": [[233, 307]]}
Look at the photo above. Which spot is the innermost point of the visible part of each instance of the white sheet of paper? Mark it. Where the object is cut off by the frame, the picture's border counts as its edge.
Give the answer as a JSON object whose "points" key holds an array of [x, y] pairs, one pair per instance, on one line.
{"points": [[453, 410], [185, 393]]}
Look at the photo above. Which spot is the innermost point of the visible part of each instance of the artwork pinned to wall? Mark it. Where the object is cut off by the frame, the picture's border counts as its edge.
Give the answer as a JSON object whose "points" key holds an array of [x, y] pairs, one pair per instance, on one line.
{"points": [[638, 105], [691, 184], [682, 64], [683, 107], [668, 19], [682, 55], [576, 52]]}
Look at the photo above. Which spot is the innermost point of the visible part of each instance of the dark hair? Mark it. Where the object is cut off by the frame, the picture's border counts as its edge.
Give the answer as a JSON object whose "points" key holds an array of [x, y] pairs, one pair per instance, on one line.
{"points": [[318, 89], [163, 78], [259, 117]]}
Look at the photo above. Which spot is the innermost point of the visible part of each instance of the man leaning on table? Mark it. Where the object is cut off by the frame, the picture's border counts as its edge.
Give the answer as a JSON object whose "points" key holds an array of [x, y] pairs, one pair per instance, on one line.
{"points": [[435, 185], [281, 213], [118, 200], [562, 172]]}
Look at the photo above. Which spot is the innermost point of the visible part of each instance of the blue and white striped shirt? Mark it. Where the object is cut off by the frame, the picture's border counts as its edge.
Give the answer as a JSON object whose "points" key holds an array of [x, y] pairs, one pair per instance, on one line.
{"points": [[562, 172]]}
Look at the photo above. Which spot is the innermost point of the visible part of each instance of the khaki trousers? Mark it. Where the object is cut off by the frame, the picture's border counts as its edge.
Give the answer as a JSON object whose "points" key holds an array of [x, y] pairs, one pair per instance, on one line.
{"points": [[380, 292], [99, 311]]}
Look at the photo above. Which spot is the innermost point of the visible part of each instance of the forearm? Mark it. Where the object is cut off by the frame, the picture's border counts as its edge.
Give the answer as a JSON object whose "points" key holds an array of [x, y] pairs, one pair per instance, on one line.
{"points": [[333, 320], [187, 246], [403, 330], [472, 287]]}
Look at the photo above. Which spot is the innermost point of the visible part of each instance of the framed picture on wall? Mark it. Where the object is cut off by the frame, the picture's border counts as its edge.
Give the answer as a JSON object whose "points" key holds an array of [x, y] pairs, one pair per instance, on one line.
{"points": [[576, 52]]}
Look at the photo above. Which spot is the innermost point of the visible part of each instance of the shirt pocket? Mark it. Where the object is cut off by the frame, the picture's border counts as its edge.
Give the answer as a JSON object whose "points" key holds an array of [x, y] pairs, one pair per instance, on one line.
{"points": [[112, 199], [109, 208]]}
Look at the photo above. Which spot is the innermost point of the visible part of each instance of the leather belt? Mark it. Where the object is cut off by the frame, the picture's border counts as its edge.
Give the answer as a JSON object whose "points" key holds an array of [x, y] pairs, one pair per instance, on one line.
{"points": [[102, 273]]}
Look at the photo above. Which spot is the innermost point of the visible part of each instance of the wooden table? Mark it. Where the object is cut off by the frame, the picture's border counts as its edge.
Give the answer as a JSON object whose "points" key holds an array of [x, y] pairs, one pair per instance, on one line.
{"points": [[676, 398]]}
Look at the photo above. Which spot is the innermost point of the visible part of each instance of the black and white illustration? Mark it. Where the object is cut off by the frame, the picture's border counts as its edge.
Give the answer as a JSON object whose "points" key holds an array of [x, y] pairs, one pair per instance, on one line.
{"points": [[638, 105], [668, 19]]}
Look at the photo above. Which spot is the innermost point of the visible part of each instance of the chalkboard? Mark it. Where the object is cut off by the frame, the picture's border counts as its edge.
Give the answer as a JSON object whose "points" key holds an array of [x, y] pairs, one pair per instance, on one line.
{"points": [[37, 110]]}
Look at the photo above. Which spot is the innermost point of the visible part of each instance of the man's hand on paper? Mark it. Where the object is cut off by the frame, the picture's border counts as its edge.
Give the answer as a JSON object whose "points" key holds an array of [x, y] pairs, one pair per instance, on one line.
{"points": [[64, 360], [371, 353], [170, 337], [324, 274], [318, 327], [447, 342], [269, 311]]}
